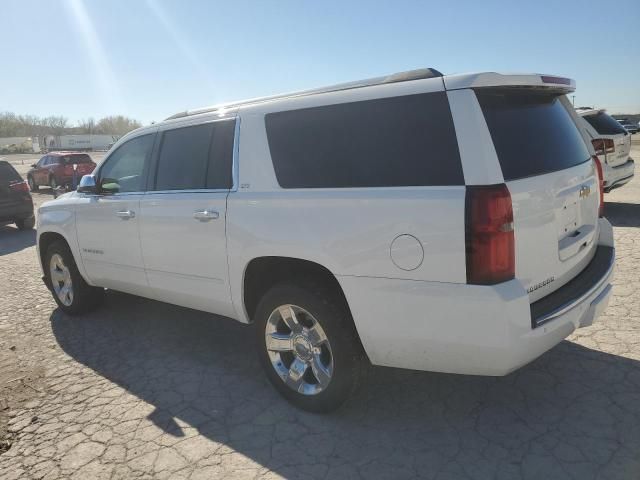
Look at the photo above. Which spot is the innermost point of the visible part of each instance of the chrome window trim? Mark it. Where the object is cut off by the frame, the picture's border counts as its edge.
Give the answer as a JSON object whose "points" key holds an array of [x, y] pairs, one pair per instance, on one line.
{"points": [[193, 190], [110, 195], [234, 159], [236, 154], [193, 122]]}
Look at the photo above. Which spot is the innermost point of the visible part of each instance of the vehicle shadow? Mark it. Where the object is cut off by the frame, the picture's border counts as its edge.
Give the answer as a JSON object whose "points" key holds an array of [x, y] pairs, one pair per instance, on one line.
{"points": [[622, 214], [13, 240], [573, 413]]}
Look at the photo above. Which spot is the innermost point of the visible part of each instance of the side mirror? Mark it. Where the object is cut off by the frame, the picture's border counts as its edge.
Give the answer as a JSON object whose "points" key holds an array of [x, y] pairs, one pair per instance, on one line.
{"points": [[88, 185], [33, 165]]}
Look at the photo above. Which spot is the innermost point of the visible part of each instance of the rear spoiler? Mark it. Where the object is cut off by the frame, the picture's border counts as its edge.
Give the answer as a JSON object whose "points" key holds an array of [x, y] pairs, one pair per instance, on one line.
{"points": [[496, 80]]}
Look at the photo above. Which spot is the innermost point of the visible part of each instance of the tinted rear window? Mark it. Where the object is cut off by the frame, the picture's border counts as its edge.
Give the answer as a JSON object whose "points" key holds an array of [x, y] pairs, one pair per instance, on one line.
{"points": [[8, 173], [196, 157], [533, 133], [71, 159], [604, 124], [389, 142]]}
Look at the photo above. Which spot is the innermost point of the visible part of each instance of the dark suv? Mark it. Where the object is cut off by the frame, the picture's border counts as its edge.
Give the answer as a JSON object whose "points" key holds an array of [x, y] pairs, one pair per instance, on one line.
{"points": [[56, 169], [16, 205]]}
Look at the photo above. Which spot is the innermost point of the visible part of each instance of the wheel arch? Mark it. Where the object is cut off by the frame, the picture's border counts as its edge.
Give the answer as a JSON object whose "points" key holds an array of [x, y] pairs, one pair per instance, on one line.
{"points": [[261, 273], [45, 239]]}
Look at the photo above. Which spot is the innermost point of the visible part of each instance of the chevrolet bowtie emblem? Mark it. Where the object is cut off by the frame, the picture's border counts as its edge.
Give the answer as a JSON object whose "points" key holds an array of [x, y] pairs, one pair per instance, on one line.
{"points": [[585, 191]]}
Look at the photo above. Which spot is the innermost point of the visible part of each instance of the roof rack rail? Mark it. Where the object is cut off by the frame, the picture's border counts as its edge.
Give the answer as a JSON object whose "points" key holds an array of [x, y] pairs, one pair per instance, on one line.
{"points": [[419, 74]]}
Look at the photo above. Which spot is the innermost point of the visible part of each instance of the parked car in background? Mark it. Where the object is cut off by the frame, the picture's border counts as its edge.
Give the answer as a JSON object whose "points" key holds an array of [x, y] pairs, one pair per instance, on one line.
{"points": [[57, 169], [629, 127], [16, 205], [612, 145], [430, 222]]}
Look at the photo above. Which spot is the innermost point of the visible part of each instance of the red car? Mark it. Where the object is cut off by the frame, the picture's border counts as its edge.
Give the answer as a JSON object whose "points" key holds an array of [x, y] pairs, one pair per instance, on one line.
{"points": [[56, 169]]}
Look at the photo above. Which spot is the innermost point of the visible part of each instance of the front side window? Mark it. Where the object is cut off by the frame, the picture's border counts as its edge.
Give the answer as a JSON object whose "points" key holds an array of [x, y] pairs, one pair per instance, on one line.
{"points": [[196, 157], [124, 169]]}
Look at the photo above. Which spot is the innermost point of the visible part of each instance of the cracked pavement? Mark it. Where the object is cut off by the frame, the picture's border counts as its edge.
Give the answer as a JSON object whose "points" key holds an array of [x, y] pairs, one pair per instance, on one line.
{"points": [[141, 389]]}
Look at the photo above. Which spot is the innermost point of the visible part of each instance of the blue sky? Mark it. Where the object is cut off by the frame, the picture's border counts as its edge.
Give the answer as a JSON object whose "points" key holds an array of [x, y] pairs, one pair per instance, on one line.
{"points": [[151, 58]]}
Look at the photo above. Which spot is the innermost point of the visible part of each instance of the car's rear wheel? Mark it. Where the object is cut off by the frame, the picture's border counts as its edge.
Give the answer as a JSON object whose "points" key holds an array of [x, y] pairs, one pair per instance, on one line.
{"points": [[26, 223], [308, 346], [33, 186], [70, 291]]}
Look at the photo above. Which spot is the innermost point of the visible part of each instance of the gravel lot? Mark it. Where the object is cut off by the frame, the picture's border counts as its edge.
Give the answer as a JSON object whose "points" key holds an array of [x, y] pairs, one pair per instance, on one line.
{"points": [[141, 389]]}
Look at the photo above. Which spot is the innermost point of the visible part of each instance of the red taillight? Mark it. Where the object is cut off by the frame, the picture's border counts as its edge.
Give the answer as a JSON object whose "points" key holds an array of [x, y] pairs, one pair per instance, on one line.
{"points": [[19, 187], [600, 185], [603, 145], [489, 235]]}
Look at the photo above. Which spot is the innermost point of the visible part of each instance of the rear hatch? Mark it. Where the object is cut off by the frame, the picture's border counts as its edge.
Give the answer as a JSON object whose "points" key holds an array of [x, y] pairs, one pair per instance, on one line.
{"points": [[83, 161], [609, 128], [552, 180]]}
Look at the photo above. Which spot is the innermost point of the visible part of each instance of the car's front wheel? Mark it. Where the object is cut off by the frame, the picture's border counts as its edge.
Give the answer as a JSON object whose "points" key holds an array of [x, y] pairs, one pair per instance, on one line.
{"points": [[33, 186], [70, 291], [308, 346], [53, 183]]}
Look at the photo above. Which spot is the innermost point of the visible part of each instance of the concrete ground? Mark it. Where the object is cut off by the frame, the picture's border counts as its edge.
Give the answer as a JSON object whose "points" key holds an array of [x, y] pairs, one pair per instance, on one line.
{"points": [[141, 389]]}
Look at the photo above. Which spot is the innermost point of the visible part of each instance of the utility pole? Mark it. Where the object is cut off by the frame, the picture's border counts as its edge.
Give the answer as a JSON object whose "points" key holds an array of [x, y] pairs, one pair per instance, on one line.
{"points": [[573, 99]]}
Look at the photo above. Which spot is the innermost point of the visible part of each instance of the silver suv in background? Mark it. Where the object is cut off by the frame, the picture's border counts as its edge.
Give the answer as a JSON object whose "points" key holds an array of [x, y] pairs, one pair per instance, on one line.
{"points": [[628, 126], [612, 145]]}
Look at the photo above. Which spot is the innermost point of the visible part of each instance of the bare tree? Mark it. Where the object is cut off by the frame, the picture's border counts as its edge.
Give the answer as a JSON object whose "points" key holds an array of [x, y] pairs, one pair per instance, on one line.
{"points": [[56, 123], [87, 126], [12, 125], [117, 125]]}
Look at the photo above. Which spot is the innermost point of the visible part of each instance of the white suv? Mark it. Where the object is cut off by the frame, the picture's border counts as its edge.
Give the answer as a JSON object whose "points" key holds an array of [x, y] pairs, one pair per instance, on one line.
{"points": [[612, 145], [444, 223]]}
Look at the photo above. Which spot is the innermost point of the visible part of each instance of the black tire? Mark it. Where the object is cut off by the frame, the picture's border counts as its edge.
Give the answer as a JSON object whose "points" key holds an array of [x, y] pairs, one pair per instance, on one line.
{"points": [[33, 186], [26, 223], [85, 297], [330, 311]]}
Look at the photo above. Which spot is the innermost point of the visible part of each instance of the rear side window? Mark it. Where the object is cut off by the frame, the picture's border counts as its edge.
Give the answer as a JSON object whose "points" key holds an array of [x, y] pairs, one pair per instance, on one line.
{"points": [[604, 124], [8, 173], [196, 157], [389, 142], [533, 133]]}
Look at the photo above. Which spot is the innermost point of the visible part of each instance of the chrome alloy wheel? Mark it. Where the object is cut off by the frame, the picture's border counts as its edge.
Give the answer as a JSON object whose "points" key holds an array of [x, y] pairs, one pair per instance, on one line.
{"points": [[299, 349], [61, 280]]}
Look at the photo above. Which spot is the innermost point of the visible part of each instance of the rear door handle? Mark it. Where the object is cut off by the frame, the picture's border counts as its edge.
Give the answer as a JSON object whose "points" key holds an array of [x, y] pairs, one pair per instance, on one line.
{"points": [[126, 214], [205, 215]]}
